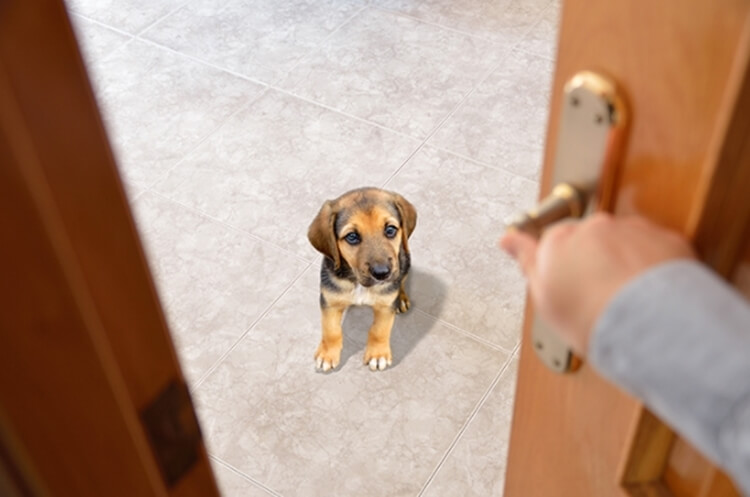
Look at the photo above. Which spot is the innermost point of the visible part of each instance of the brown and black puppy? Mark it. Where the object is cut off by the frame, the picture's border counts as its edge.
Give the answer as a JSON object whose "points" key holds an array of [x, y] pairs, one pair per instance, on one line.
{"points": [[363, 236]]}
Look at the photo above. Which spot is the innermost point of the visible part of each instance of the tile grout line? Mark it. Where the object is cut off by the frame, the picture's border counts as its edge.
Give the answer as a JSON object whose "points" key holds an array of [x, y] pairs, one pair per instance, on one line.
{"points": [[202, 61], [132, 200], [464, 332], [514, 46], [341, 26], [533, 54], [536, 23], [252, 325], [490, 72], [343, 113], [248, 103], [233, 228], [275, 87], [279, 80], [107, 56], [233, 72], [131, 36], [160, 19], [403, 163], [438, 25], [482, 163], [72, 13], [440, 124], [325, 40], [467, 423], [242, 475], [461, 103], [252, 100]]}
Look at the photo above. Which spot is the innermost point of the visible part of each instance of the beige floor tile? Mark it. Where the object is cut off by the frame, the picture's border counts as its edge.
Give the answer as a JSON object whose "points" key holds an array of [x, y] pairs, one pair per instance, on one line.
{"points": [[269, 169], [261, 39], [395, 71], [460, 275], [503, 123], [232, 484], [214, 281], [267, 412], [158, 105], [310, 279], [503, 21], [542, 38], [96, 41], [127, 15], [476, 467]]}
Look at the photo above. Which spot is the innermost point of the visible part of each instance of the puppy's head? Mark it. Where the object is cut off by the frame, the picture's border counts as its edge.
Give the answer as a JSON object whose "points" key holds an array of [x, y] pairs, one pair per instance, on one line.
{"points": [[366, 229]]}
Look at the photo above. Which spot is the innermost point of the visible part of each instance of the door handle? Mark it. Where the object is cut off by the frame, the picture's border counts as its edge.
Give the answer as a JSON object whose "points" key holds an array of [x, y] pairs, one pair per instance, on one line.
{"points": [[565, 201], [591, 134]]}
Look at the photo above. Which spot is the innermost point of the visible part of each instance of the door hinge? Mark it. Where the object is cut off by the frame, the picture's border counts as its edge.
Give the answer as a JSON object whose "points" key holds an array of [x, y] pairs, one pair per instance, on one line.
{"points": [[173, 431]]}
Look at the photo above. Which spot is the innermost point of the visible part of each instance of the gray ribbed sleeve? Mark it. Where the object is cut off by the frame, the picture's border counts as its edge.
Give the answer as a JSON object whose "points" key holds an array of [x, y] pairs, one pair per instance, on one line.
{"points": [[678, 337]]}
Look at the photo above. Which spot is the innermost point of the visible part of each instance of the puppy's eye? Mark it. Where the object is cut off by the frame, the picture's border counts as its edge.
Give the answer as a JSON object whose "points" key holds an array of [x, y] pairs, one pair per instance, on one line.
{"points": [[352, 238], [390, 231]]}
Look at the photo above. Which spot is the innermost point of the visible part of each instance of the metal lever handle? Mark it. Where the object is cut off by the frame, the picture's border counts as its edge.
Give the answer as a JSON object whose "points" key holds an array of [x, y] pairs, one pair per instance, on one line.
{"points": [[591, 129], [563, 202]]}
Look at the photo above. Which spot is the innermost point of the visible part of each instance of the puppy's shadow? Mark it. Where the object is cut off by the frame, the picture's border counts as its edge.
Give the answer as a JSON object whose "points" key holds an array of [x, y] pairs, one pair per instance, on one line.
{"points": [[426, 293]]}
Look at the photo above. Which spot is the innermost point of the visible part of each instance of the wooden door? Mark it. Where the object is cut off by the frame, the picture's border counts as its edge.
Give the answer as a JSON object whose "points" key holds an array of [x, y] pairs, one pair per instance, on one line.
{"points": [[683, 65], [92, 399]]}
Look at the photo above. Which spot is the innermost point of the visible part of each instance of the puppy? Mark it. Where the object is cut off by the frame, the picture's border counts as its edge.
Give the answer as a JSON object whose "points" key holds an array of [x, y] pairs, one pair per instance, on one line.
{"points": [[363, 236]]}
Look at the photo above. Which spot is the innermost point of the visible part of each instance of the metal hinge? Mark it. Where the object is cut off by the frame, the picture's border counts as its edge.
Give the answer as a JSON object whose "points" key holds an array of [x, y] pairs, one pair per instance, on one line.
{"points": [[173, 431]]}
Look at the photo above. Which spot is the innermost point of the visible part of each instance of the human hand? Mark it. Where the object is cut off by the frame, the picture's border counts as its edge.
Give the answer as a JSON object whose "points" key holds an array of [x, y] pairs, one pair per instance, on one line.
{"points": [[577, 267]]}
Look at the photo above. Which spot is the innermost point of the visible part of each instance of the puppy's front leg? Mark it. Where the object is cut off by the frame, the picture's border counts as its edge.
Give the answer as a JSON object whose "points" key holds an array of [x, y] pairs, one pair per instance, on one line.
{"points": [[329, 351], [378, 351]]}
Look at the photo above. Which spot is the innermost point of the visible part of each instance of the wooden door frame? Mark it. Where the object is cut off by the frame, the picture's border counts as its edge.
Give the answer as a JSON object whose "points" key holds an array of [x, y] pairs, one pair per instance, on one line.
{"points": [[86, 343]]}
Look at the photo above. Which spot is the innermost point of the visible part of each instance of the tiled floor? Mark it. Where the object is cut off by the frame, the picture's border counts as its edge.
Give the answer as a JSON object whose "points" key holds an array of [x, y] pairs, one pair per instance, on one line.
{"points": [[232, 122]]}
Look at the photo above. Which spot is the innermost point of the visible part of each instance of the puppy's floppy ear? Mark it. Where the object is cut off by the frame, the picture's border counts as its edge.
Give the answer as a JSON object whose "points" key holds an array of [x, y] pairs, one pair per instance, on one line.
{"points": [[322, 233], [408, 215]]}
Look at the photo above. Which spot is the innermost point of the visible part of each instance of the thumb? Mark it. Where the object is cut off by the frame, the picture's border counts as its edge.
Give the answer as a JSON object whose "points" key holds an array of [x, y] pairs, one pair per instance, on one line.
{"points": [[522, 247]]}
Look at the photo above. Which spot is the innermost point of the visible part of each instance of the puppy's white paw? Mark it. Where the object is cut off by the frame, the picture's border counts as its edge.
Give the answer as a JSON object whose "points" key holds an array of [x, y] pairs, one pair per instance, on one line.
{"points": [[322, 365], [327, 359], [379, 364]]}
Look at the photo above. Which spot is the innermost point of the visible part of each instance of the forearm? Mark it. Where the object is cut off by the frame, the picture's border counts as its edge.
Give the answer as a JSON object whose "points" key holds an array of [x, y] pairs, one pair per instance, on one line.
{"points": [[678, 338]]}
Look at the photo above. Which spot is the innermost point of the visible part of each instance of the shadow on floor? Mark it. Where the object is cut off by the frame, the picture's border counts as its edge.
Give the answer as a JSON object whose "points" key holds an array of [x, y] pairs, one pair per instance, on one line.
{"points": [[405, 335]]}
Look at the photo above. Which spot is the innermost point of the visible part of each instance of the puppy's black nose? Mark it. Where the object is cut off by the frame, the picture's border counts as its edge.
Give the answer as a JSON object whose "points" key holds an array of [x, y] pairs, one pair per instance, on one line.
{"points": [[380, 271]]}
